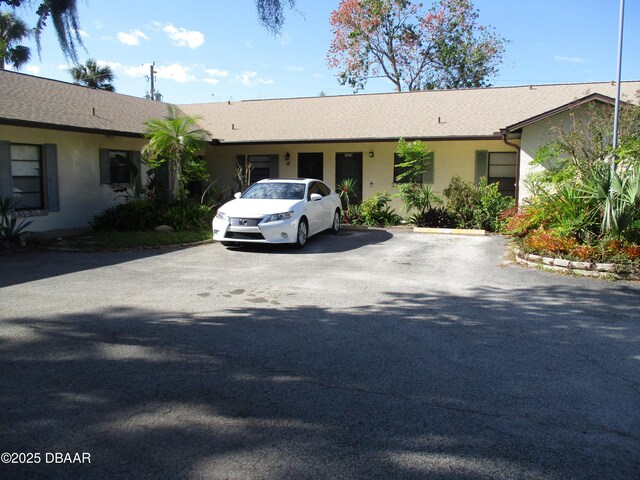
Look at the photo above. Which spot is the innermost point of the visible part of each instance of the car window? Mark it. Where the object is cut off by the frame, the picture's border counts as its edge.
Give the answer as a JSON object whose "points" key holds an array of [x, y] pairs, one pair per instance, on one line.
{"points": [[323, 189], [275, 191], [313, 188]]}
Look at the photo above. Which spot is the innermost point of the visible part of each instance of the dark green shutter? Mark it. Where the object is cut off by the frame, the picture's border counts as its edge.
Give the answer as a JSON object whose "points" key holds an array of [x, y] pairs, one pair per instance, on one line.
{"points": [[274, 166], [6, 183], [105, 166], [482, 164], [429, 175], [137, 174], [51, 168]]}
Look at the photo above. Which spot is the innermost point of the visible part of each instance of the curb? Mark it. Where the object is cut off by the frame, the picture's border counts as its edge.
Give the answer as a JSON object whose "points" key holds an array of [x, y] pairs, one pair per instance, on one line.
{"points": [[450, 231], [584, 269]]}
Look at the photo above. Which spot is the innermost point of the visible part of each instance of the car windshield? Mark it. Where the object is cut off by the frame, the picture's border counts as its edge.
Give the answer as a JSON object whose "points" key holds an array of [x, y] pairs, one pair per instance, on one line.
{"points": [[275, 191]]}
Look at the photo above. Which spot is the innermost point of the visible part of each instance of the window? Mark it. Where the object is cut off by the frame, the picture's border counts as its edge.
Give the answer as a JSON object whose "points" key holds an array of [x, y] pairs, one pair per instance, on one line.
{"points": [[497, 167], [27, 175], [30, 172], [263, 166], [397, 170], [119, 166]]}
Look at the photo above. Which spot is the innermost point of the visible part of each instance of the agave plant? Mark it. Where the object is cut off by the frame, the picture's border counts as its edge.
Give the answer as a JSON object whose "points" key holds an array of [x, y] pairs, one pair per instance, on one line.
{"points": [[618, 197], [10, 228]]}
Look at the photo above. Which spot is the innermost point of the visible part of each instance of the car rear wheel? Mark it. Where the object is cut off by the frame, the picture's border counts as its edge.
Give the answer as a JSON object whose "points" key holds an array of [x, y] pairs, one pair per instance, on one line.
{"points": [[335, 227], [303, 233]]}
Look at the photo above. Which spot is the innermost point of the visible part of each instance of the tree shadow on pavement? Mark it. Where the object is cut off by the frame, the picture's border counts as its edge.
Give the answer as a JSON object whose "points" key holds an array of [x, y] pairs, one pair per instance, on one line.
{"points": [[527, 383]]}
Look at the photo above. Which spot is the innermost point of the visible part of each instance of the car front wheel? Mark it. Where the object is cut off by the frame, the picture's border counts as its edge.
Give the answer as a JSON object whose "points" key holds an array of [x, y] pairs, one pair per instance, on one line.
{"points": [[303, 233], [335, 227]]}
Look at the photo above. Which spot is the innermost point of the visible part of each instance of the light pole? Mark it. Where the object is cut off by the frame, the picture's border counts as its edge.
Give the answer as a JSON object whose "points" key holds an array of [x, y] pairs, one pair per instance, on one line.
{"points": [[617, 106]]}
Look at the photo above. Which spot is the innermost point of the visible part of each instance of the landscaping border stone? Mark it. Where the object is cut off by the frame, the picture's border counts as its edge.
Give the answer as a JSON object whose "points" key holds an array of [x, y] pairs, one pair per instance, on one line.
{"points": [[587, 269]]}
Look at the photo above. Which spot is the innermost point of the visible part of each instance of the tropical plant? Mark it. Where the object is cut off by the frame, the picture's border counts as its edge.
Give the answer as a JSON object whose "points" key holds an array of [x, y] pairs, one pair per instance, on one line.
{"points": [[617, 196], [176, 140], [346, 191], [416, 49], [375, 211], [462, 198], [416, 161], [64, 16], [436, 217], [90, 74], [10, 228], [12, 31]]}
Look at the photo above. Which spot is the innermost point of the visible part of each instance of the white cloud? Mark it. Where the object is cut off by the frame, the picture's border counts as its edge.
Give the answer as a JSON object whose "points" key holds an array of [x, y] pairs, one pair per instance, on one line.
{"points": [[132, 38], [175, 72], [560, 58], [212, 81], [83, 34], [182, 37], [249, 79], [33, 69], [62, 66], [216, 72]]}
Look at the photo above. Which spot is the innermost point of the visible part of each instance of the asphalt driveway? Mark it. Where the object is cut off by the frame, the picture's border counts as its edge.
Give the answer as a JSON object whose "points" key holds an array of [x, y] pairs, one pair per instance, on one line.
{"points": [[377, 354]]}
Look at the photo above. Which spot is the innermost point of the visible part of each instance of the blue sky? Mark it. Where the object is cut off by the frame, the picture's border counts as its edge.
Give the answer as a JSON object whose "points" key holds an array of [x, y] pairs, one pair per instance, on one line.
{"points": [[217, 50]]}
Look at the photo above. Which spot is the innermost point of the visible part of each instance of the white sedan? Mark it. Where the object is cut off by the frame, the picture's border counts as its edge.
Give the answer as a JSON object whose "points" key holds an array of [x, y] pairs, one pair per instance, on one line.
{"points": [[284, 210]]}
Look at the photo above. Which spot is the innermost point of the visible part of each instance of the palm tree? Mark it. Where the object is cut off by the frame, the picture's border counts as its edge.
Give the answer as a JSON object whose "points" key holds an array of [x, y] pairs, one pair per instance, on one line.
{"points": [[12, 31], [92, 75], [175, 140]]}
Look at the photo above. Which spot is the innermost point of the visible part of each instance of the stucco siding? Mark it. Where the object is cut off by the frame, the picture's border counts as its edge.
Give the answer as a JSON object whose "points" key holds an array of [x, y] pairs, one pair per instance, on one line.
{"points": [[81, 195], [534, 137], [452, 157]]}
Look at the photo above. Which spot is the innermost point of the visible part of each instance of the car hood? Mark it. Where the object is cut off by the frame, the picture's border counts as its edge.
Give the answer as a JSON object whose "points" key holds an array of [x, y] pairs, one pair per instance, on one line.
{"points": [[255, 208]]}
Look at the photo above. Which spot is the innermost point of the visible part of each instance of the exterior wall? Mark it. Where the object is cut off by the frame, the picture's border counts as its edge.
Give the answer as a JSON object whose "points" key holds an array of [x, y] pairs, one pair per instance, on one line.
{"points": [[451, 157], [81, 194], [534, 137]]}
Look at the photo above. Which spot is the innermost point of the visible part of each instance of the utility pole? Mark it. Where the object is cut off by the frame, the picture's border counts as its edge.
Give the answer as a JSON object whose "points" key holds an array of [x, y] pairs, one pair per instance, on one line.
{"points": [[152, 75]]}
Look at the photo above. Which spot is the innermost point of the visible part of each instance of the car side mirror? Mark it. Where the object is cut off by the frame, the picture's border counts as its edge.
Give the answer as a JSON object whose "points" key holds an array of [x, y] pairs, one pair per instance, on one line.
{"points": [[315, 197], [237, 195]]}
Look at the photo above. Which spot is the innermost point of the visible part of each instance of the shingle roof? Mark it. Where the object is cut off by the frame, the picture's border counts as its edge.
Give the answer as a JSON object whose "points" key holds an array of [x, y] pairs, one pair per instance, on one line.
{"points": [[25, 99], [430, 114], [29, 100]]}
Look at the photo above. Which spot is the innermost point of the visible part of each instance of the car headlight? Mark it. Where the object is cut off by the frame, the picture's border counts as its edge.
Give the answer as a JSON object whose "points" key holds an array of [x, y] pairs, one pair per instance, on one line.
{"points": [[221, 216], [278, 216]]}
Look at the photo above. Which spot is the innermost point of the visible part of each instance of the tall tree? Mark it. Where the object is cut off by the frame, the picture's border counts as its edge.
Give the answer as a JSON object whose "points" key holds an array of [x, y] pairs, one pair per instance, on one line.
{"points": [[12, 31], [90, 74], [175, 140], [64, 16], [442, 47]]}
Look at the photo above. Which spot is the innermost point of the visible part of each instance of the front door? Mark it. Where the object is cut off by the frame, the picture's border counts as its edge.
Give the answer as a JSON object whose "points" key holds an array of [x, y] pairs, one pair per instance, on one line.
{"points": [[310, 165], [349, 165]]}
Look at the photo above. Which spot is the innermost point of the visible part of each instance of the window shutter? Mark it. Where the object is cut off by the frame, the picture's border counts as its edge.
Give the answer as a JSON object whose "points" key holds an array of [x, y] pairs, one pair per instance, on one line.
{"points": [[428, 176], [6, 183], [137, 174], [482, 164], [274, 166], [105, 166], [51, 169]]}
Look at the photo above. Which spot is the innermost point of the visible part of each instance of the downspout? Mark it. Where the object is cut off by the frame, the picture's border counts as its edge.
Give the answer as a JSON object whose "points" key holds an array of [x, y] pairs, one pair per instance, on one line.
{"points": [[504, 132]]}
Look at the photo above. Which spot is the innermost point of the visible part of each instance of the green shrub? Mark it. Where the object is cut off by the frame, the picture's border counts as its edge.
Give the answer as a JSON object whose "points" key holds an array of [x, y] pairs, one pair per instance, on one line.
{"points": [[418, 197], [144, 214], [374, 212], [477, 206], [488, 213], [436, 217], [462, 199]]}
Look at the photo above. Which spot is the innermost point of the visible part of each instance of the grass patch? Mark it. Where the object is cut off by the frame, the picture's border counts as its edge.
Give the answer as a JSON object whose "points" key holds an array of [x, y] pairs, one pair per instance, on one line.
{"points": [[107, 240]]}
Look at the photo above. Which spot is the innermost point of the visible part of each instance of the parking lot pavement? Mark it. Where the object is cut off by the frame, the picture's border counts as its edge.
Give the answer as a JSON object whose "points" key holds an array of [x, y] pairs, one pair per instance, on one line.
{"points": [[374, 354]]}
